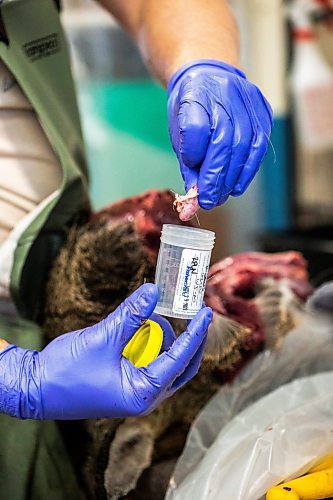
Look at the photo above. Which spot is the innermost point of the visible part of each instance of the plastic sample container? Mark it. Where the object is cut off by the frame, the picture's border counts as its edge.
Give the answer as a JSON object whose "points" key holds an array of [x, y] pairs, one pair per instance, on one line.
{"points": [[181, 272]]}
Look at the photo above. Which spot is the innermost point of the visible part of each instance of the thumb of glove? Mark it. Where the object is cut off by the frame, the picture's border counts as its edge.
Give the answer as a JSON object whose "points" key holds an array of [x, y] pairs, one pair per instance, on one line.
{"points": [[194, 127], [120, 326]]}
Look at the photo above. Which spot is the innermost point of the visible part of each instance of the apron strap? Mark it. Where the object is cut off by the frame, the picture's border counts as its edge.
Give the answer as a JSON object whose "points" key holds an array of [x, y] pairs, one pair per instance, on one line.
{"points": [[47, 82], [3, 34]]}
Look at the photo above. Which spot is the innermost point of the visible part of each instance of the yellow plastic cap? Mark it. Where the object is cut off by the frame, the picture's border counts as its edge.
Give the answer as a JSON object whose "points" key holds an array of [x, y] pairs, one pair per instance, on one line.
{"points": [[145, 345]]}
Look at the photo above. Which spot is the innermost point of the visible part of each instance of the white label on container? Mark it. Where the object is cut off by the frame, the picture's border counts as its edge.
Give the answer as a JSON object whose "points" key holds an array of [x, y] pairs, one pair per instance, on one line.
{"points": [[191, 282]]}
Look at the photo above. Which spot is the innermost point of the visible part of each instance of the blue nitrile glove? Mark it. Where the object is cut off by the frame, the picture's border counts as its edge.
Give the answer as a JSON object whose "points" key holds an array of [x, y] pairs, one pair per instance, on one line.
{"points": [[83, 374], [219, 125]]}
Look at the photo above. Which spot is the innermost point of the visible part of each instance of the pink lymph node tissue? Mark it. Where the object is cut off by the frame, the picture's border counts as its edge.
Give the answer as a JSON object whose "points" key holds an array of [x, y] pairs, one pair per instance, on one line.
{"points": [[187, 205]]}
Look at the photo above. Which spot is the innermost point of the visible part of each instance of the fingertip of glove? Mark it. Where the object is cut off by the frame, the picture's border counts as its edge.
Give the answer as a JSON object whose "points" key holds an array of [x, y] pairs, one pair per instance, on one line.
{"points": [[237, 192], [209, 203], [148, 290], [223, 198], [206, 204], [208, 313], [202, 320], [146, 296]]}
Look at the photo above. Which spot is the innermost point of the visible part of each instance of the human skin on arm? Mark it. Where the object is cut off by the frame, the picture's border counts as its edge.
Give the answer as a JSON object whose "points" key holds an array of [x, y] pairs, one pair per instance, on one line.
{"points": [[219, 122], [3, 344], [171, 33]]}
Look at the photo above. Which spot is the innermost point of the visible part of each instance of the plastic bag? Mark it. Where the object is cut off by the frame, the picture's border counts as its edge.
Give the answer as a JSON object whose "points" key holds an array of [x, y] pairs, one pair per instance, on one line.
{"points": [[239, 456]]}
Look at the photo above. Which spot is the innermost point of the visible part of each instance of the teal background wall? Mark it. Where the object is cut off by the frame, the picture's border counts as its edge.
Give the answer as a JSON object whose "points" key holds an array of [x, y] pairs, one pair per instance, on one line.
{"points": [[276, 177], [125, 127]]}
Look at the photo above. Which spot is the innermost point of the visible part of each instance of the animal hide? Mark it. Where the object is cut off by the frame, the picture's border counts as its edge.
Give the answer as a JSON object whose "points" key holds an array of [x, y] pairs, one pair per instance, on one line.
{"points": [[253, 296]]}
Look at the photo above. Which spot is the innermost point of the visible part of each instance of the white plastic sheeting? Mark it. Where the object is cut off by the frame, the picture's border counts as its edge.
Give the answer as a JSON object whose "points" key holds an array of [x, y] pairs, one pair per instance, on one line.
{"points": [[237, 450]]}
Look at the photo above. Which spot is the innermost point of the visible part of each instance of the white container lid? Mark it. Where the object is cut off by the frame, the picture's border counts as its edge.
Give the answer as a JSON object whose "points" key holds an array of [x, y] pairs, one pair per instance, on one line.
{"points": [[187, 237]]}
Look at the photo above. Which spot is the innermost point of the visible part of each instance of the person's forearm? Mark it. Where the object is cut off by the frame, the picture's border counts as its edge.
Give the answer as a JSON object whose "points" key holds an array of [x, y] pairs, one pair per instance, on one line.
{"points": [[171, 33]]}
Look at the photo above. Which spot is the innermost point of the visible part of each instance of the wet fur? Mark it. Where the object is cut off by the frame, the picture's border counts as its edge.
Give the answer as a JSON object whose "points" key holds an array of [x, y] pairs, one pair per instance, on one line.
{"points": [[100, 265]]}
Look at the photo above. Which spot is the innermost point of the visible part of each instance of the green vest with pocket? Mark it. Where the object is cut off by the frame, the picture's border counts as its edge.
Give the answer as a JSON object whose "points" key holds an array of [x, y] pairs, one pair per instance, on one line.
{"points": [[33, 460]]}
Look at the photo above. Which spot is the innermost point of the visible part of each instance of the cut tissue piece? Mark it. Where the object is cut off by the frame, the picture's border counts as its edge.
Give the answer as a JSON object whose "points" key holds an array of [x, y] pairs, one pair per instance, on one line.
{"points": [[187, 205]]}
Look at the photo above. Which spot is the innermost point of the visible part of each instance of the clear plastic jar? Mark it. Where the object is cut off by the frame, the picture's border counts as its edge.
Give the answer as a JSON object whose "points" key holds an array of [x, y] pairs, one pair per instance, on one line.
{"points": [[181, 272]]}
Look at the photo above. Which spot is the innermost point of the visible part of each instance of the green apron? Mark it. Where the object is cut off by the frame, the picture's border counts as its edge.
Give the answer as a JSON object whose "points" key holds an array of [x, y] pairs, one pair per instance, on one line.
{"points": [[33, 461]]}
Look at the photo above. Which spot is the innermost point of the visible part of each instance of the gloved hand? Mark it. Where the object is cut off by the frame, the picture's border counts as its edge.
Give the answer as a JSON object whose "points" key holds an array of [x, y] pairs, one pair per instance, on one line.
{"points": [[83, 374], [219, 125]]}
